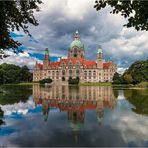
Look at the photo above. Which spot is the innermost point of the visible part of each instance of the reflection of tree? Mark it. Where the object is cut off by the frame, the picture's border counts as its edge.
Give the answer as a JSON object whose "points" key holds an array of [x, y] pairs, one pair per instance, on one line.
{"points": [[115, 91], [139, 98], [13, 94], [1, 116]]}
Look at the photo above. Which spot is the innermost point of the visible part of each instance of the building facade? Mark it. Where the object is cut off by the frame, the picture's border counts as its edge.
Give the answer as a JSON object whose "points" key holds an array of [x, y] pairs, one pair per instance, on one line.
{"points": [[75, 65]]}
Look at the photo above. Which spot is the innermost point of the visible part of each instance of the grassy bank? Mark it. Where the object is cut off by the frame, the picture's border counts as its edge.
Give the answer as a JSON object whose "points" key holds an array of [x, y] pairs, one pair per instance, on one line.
{"points": [[22, 84], [142, 85], [94, 84]]}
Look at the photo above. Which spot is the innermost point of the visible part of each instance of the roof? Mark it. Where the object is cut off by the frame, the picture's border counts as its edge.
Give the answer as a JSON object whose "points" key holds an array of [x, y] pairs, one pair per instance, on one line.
{"points": [[76, 43], [82, 61], [107, 65]]}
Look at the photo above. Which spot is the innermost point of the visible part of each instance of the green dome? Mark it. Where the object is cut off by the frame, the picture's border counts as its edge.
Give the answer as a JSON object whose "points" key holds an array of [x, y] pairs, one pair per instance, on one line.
{"points": [[76, 43]]}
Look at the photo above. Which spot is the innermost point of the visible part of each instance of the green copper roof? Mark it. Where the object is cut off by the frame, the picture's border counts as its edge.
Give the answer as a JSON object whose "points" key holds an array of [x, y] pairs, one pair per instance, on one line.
{"points": [[76, 43], [75, 126], [46, 51]]}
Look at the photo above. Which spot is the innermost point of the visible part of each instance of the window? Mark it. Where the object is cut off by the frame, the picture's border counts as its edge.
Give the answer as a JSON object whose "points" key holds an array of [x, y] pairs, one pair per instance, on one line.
{"points": [[77, 72], [63, 72]]}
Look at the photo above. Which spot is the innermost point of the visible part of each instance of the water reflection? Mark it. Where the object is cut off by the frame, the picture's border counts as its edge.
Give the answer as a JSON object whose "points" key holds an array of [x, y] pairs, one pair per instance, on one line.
{"points": [[139, 100], [1, 116], [74, 100], [73, 116]]}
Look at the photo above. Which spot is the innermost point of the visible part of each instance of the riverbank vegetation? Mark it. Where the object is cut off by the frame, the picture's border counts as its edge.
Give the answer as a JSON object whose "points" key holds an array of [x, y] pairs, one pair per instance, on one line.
{"points": [[136, 75], [11, 74]]}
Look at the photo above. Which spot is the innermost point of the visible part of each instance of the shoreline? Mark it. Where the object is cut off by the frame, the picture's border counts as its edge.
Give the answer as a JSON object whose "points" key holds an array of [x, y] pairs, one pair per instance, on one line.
{"points": [[123, 86]]}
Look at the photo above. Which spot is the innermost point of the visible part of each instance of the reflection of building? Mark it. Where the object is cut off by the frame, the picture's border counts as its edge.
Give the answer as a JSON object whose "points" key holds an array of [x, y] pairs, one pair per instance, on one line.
{"points": [[74, 100], [75, 66]]}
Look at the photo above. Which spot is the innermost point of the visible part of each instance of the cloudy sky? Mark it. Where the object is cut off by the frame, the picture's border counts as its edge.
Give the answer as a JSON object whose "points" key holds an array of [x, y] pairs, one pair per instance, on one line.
{"points": [[58, 20]]}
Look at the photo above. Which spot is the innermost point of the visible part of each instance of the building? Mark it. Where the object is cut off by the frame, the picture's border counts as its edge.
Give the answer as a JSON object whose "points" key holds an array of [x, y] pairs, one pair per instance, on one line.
{"points": [[75, 65]]}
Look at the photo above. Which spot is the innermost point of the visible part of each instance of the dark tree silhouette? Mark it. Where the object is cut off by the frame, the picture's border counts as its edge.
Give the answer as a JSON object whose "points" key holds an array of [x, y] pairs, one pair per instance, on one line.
{"points": [[135, 10], [16, 14]]}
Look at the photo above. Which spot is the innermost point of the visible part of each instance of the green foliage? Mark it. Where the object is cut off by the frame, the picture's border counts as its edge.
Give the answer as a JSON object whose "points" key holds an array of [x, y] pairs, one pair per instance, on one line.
{"points": [[128, 78], [116, 78], [16, 15], [10, 73], [13, 94], [73, 81], [142, 85], [45, 81], [139, 100], [135, 10], [136, 73]]}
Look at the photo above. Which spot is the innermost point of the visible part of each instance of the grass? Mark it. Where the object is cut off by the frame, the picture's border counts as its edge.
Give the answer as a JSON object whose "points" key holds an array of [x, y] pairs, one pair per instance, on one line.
{"points": [[142, 85], [23, 84], [95, 84]]}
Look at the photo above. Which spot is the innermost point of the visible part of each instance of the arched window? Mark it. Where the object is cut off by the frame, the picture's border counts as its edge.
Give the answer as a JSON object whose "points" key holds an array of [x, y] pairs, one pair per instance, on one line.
{"points": [[63, 72], [94, 74], [57, 73], [77, 65], [75, 52]]}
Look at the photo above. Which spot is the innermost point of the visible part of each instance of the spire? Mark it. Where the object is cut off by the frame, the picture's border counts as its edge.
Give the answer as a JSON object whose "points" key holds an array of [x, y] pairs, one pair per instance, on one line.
{"points": [[77, 32], [76, 35]]}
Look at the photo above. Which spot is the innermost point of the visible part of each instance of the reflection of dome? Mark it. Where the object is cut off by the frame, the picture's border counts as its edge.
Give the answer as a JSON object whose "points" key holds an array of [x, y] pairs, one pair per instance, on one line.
{"points": [[46, 117], [75, 126], [76, 43], [99, 120]]}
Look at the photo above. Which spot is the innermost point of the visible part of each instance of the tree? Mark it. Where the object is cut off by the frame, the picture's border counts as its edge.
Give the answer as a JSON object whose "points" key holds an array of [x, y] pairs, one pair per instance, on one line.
{"points": [[25, 75], [138, 71], [135, 10], [128, 78], [10, 73], [16, 14], [116, 78]]}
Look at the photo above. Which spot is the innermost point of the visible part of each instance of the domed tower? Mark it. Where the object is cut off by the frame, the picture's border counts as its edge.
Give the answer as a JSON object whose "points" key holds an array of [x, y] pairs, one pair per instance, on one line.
{"points": [[76, 47]]}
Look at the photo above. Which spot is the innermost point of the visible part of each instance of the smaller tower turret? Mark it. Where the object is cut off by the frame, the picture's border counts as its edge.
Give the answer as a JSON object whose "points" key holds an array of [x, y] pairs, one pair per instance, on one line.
{"points": [[100, 57], [46, 60]]}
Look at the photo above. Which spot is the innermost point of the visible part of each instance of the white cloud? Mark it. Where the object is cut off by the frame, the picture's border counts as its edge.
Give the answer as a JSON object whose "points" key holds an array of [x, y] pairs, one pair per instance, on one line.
{"points": [[58, 21], [20, 108], [20, 59]]}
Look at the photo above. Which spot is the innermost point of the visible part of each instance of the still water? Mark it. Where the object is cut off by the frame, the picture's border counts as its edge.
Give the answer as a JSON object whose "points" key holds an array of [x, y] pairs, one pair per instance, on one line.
{"points": [[73, 116]]}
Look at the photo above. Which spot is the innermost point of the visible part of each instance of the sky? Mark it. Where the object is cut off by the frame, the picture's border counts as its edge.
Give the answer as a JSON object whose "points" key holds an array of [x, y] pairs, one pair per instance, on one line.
{"points": [[58, 21]]}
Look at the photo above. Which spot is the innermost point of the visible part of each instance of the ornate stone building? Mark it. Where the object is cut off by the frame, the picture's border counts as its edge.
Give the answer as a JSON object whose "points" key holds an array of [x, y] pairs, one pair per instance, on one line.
{"points": [[75, 65]]}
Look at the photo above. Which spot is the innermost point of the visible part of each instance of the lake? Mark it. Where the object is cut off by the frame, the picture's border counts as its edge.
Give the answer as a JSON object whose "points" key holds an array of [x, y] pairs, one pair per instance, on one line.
{"points": [[73, 116]]}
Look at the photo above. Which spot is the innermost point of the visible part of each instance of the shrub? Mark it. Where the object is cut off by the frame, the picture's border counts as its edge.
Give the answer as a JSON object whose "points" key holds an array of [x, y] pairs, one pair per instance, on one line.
{"points": [[73, 81], [48, 80]]}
